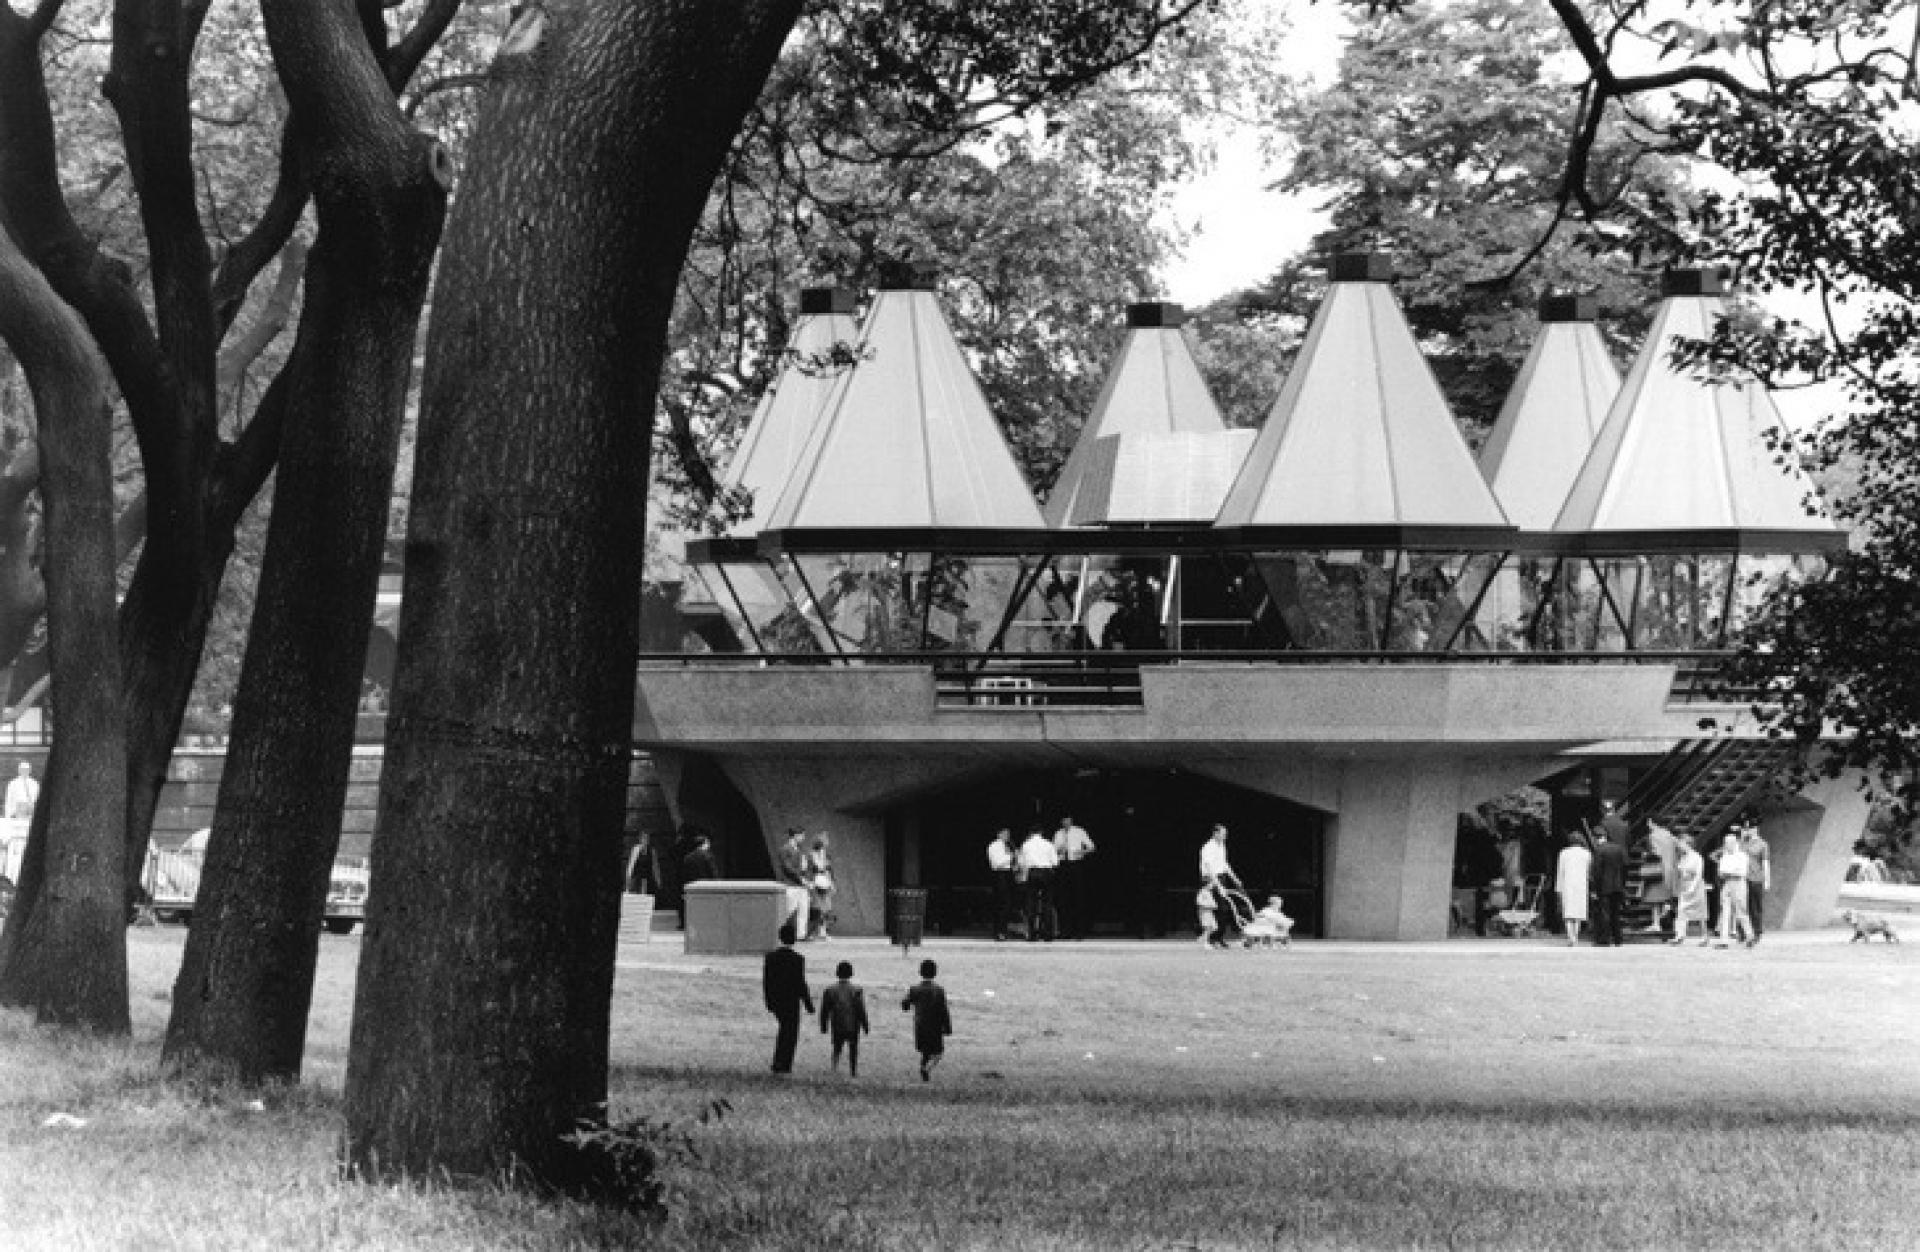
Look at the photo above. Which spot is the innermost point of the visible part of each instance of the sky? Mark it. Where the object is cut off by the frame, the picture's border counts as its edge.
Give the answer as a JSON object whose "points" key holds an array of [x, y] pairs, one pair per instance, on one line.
{"points": [[1241, 229]]}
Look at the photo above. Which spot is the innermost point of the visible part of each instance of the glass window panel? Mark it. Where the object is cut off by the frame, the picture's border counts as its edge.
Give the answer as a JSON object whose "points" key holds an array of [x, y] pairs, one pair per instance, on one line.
{"points": [[1329, 601], [762, 611]]}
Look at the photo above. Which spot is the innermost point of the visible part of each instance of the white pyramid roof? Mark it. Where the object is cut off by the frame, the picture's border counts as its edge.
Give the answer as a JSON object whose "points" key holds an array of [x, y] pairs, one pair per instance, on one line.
{"points": [[906, 440], [1149, 477], [1361, 434], [786, 415], [1557, 405], [1680, 454], [1154, 387]]}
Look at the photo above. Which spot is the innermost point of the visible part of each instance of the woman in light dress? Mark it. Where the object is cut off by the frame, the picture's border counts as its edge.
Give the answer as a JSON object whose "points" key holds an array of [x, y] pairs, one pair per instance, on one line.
{"points": [[819, 876], [1692, 904], [1571, 874]]}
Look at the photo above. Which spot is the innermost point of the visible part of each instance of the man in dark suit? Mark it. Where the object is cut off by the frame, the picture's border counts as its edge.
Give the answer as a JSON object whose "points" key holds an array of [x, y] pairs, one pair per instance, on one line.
{"points": [[784, 982], [1609, 887]]}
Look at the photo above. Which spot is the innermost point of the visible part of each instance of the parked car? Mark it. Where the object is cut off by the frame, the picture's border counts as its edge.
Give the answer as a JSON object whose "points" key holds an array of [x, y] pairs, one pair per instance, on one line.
{"points": [[172, 881]]}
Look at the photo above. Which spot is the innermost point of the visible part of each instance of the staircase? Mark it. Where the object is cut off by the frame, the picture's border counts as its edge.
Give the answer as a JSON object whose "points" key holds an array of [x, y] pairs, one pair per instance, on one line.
{"points": [[1697, 791]]}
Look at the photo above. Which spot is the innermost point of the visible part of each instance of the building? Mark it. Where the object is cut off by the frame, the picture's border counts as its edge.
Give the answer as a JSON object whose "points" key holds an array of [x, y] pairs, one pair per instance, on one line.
{"points": [[1334, 634]]}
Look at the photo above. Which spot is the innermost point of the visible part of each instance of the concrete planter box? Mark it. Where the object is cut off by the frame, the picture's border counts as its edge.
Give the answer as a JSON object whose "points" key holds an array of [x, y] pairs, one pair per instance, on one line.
{"points": [[730, 917], [636, 918]]}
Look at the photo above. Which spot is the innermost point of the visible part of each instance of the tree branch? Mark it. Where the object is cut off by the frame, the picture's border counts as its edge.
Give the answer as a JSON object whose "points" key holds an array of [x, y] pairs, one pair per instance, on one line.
{"points": [[241, 352], [246, 259], [403, 60], [41, 20]]}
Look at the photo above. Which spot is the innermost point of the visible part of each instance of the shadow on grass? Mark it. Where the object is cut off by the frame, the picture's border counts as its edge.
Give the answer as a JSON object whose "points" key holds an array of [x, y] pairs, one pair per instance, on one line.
{"points": [[991, 1093]]}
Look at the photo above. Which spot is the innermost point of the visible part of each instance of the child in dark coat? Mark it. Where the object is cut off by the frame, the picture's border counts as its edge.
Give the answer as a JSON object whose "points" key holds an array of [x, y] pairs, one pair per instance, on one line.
{"points": [[843, 1012], [931, 1022]]}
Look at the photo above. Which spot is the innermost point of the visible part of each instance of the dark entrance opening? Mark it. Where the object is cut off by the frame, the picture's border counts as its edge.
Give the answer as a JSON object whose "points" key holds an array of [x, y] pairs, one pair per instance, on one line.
{"points": [[1147, 826]]}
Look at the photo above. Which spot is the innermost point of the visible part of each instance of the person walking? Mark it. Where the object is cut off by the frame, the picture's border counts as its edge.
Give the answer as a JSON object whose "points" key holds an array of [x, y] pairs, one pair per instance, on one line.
{"points": [[818, 868], [1759, 877], [1215, 875], [1664, 892], [932, 1023], [843, 1016], [1571, 884], [1071, 847], [1609, 888], [792, 868], [1733, 863], [783, 983], [1001, 859], [1038, 860]]}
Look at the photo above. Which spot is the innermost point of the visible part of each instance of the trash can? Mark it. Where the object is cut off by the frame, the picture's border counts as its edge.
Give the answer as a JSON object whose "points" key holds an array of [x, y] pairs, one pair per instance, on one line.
{"points": [[907, 915]]}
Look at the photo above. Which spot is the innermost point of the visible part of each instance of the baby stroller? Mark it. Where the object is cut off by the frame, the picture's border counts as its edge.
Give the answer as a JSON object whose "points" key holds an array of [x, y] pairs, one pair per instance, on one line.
{"points": [[1269, 928], [1524, 913]]}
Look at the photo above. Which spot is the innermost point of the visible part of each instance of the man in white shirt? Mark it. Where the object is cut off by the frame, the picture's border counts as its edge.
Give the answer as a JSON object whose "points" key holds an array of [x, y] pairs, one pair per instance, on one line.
{"points": [[1038, 861], [1072, 846], [1000, 860], [1215, 874], [1734, 926], [23, 792], [792, 868]]}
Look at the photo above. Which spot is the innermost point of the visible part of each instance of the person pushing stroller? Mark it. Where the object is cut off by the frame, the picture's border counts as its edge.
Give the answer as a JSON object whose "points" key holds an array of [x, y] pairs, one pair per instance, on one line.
{"points": [[1215, 876]]}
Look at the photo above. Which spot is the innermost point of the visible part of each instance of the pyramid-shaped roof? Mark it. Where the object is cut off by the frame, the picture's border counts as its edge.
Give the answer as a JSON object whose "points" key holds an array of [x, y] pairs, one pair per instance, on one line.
{"points": [[786, 414], [1153, 388], [1557, 405], [1145, 478], [1683, 461], [1361, 438], [906, 441]]}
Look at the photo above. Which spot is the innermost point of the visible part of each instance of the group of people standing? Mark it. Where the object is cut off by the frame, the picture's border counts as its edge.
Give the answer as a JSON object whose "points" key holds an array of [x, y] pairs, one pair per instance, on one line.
{"points": [[1598, 872], [806, 870], [1045, 877]]}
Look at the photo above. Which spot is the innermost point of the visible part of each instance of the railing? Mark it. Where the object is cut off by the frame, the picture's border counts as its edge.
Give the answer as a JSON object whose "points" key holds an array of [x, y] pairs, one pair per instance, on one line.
{"points": [[1079, 679]]}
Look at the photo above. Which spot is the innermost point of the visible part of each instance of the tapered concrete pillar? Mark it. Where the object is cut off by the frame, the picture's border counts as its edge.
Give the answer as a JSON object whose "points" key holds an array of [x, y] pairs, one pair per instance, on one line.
{"points": [[845, 798], [1390, 850], [1391, 831], [1809, 845]]}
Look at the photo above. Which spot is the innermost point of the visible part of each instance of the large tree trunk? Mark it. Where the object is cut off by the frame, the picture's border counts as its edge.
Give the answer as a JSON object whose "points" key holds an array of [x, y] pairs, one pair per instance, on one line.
{"points": [[67, 957], [480, 1027], [380, 187]]}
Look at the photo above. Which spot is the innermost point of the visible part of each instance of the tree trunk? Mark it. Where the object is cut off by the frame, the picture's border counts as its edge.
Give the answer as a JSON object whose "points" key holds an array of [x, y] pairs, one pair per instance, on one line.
{"points": [[480, 1027], [246, 981], [67, 957], [163, 619]]}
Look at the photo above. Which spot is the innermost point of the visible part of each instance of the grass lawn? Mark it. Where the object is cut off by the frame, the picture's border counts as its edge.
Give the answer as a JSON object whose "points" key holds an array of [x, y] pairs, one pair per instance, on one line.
{"points": [[1474, 1094]]}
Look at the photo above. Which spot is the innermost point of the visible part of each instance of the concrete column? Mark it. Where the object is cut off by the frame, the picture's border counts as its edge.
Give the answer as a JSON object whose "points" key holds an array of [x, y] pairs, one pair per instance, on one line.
{"points": [[1390, 850], [846, 798], [1809, 845]]}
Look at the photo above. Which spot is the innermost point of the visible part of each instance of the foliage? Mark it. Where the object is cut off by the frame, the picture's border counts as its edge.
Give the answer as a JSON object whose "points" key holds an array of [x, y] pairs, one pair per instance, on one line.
{"points": [[631, 1157], [1442, 140], [1806, 109], [1036, 201]]}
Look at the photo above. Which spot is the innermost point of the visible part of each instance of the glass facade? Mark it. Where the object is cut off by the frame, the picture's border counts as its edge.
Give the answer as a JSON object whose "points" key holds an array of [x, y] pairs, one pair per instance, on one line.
{"points": [[1201, 601]]}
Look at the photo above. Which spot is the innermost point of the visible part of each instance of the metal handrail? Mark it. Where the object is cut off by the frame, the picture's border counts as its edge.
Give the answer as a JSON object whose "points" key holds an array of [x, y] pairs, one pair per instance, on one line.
{"points": [[1697, 666]]}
